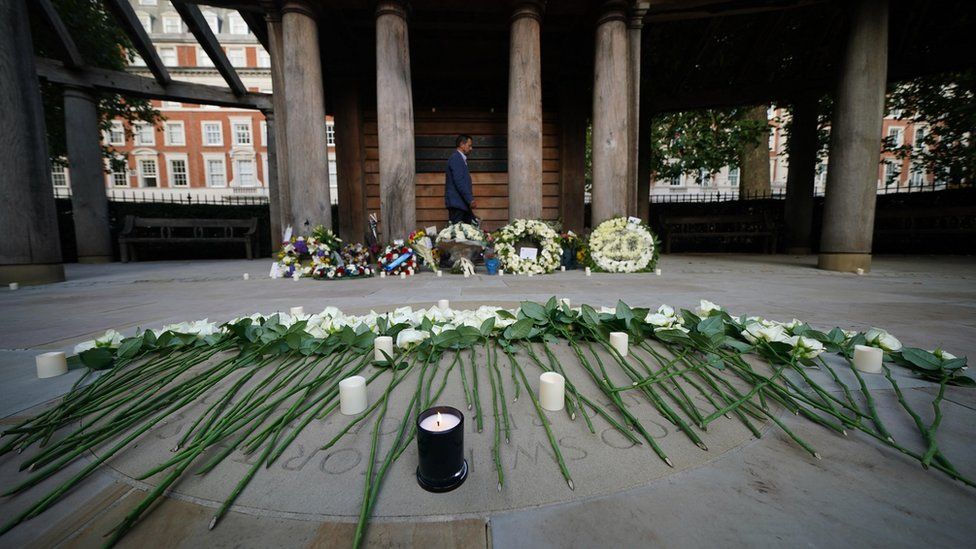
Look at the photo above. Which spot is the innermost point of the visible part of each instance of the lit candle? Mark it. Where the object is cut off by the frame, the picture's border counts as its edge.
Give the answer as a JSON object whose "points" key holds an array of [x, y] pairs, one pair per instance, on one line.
{"points": [[587, 271], [382, 344], [14, 286], [868, 359], [619, 340], [297, 311], [552, 391], [440, 449], [444, 304], [247, 276], [352, 395], [51, 364]]}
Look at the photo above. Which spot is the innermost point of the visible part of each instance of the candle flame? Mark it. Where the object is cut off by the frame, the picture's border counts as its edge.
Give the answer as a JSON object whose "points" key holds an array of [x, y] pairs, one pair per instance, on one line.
{"points": [[438, 419]]}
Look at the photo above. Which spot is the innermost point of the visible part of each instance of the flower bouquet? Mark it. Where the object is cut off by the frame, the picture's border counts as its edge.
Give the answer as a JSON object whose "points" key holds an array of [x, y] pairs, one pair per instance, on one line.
{"points": [[570, 242], [398, 258]]}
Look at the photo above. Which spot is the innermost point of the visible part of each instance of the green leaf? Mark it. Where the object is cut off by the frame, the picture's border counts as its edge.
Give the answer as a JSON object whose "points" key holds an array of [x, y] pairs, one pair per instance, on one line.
{"points": [[129, 348], [98, 358], [520, 330], [711, 326], [624, 312], [487, 326], [921, 358], [954, 363], [738, 345], [589, 316], [962, 381], [534, 311]]}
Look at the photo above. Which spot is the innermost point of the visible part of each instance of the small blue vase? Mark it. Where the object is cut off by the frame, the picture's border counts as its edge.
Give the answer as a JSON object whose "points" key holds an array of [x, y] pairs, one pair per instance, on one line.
{"points": [[492, 266]]}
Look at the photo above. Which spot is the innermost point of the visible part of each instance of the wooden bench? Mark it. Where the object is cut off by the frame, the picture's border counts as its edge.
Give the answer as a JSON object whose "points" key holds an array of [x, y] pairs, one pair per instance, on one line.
{"points": [[154, 230], [719, 226]]}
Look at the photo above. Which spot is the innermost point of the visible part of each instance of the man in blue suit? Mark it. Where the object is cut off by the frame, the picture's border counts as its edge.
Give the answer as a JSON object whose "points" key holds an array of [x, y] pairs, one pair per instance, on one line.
{"points": [[458, 196]]}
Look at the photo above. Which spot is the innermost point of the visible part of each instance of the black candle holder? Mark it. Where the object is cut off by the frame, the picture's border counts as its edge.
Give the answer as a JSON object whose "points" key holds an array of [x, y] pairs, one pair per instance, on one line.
{"points": [[442, 465]]}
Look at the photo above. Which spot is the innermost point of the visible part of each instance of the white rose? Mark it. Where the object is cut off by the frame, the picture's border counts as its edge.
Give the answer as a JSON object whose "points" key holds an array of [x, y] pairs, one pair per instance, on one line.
{"points": [[944, 355], [876, 337], [706, 307], [666, 310], [657, 319], [409, 337], [805, 347]]}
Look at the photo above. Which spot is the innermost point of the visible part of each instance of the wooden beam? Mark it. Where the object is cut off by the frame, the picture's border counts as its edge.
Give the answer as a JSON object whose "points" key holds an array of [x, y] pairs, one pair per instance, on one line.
{"points": [[72, 57], [141, 86], [126, 17], [190, 13]]}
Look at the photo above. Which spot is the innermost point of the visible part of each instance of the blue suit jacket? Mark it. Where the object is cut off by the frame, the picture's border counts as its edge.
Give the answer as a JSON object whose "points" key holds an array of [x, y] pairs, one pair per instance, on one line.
{"points": [[457, 183]]}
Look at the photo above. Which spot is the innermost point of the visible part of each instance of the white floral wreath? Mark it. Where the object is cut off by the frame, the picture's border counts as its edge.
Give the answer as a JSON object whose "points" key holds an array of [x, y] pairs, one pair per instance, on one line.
{"points": [[460, 232], [622, 245], [510, 235]]}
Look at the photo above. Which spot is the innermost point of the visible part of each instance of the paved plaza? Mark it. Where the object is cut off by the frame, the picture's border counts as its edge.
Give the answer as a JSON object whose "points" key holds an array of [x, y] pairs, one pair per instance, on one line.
{"points": [[744, 491]]}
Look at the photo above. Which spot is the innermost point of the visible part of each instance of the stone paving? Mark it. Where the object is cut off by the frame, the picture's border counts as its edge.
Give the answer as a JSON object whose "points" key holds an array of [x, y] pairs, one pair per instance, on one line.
{"points": [[742, 492]]}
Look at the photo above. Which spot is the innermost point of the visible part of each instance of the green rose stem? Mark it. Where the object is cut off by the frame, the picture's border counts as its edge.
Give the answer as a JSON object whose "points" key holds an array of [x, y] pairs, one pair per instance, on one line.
{"points": [[685, 403], [464, 385], [501, 390], [680, 373], [655, 399], [475, 396], [557, 367], [604, 385], [427, 398], [495, 455], [738, 410], [545, 423], [512, 365], [930, 432], [869, 400], [568, 397], [847, 393]]}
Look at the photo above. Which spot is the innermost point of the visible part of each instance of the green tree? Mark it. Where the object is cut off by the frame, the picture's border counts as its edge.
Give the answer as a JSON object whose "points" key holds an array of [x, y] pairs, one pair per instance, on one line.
{"points": [[945, 106], [102, 44], [702, 141]]}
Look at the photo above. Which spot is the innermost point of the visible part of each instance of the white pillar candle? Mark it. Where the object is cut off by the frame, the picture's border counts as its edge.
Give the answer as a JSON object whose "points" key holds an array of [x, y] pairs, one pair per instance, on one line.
{"points": [[443, 304], [620, 341], [352, 395], [860, 271], [247, 276], [382, 274], [403, 276], [297, 311], [295, 277], [382, 344], [501, 272], [51, 364], [466, 274], [439, 273], [439, 422], [14, 286], [868, 359], [552, 391], [530, 275], [562, 268], [657, 272], [587, 271]]}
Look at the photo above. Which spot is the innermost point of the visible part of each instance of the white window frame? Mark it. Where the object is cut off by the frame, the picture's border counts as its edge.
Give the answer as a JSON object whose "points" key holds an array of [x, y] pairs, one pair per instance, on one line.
{"points": [[168, 20], [203, 60], [733, 180], [330, 134], [236, 181], [890, 171], [263, 58], [203, 133], [237, 25], [899, 133], [264, 133], [146, 20], [918, 176], [163, 55], [148, 2], [235, 60], [213, 20], [113, 177], [921, 131], [172, 105], [143, 130], [182, 135], [207, 158], [171, 158], [264, 168], [59, 172], [234, 123], [117, 127], [140, 171]]}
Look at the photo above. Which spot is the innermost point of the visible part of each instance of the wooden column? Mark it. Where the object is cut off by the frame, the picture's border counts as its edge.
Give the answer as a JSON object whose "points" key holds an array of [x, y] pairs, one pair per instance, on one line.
{"points": [[855, 141], [308, 163], [30, 251], [635, 24], [645, 117], [754, 158], [611, 133], [350, 156], [800, 179], [276, 131], [525, 113], [271, 179], [394, 121], [89, 203], [573, 108]]}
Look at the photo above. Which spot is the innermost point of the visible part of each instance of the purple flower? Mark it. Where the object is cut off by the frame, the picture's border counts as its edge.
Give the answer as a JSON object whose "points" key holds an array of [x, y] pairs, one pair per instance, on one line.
{"points": [[301, 247]]}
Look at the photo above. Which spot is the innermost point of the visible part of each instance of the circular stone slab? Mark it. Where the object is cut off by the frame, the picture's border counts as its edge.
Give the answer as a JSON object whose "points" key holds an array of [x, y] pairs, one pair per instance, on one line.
{"points": [[307, 481]]}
